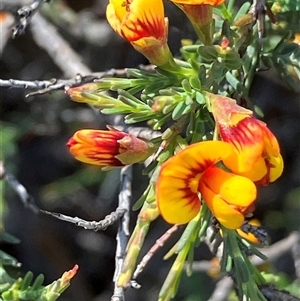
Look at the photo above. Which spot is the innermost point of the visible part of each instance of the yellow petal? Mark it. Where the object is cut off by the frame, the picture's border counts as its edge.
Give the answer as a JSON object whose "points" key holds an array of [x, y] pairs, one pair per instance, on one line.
{"points": [[177, 184], [226, 215], [276, 168], [258, 171], [247, 137], [233, 189]]}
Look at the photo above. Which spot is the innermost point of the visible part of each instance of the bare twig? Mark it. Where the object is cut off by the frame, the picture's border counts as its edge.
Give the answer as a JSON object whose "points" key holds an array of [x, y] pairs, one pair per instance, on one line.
{"points": [[13, 5], [47, 37], [260, 9], [276, 250], [24, 16], [46, 86], [296, 256], [123, 232], [25, 197], [87, 25], [222, 290], [158, 244], [89, 225], [271, 293]]}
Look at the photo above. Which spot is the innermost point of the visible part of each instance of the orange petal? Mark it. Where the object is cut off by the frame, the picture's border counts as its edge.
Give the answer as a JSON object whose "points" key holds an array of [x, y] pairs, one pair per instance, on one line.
{"points": [[137, 19], [96, 147], [177, 184]]}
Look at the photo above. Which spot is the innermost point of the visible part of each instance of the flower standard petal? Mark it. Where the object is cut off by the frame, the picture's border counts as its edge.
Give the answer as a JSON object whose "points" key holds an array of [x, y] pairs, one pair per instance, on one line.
{"points": [[178, 180], [257, 154]]}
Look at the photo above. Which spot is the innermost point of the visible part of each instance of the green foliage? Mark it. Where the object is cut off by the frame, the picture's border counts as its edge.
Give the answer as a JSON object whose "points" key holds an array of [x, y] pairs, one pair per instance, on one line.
{"points": [[28, 287]]}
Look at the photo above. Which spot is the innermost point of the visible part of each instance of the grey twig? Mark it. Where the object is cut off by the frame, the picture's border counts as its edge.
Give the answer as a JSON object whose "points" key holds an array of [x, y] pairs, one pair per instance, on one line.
{"points": [[46, 86], [47, 37], [271, 293], [123, 231], [296, 256], [25, 197], [24, 16], [222, 290], [279, 248], [90, 225]]}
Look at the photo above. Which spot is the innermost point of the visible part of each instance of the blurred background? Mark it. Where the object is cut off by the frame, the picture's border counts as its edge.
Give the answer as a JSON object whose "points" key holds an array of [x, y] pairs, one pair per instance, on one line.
{"points": [[34, 132]]}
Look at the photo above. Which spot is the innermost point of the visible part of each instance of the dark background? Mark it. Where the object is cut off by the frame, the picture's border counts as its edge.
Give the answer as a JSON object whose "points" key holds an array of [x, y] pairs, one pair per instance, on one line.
{"points": [[36, 129]]}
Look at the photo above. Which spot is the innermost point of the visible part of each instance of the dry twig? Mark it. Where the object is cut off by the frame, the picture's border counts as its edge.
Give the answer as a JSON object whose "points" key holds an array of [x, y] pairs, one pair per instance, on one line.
{"points": [[25, 197], [123, 231], [24, 15], [89, 225]]}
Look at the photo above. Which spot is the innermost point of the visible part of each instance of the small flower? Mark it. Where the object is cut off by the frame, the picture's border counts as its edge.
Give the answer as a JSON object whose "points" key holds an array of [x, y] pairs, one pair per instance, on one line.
{"points": [[257, 154], [108, 148], [199, 13], [192, 173], [77, 93], [53, 290], [67, 276], [143, 24]]}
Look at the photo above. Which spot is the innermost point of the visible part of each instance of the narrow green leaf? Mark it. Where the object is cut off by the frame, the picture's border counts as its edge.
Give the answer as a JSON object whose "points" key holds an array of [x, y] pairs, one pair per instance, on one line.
{"points": [[138, 117], [180, 110], [38, 282], [26, 281]]}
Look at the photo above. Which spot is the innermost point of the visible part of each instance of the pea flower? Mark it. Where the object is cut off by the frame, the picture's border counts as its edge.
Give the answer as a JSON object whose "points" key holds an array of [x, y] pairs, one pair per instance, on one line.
{"points": [[191, 174], [108, 148], [257, 153], [143, 24], [199, 12]]}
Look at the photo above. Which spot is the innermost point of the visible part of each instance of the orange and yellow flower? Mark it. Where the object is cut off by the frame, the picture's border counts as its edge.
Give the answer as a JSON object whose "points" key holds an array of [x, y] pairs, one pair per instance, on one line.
{"points": [[108, 148], [199, 13], [257, 153], [192, 174], [143, 24]]}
